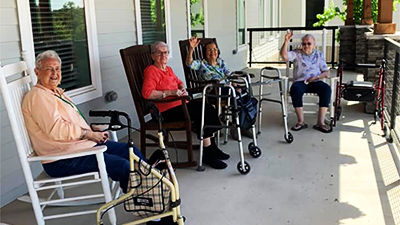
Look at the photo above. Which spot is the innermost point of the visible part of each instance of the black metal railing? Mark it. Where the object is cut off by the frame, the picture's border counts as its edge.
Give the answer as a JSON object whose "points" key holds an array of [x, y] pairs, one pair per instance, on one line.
{"points": [[392, 95], [273, 33]]}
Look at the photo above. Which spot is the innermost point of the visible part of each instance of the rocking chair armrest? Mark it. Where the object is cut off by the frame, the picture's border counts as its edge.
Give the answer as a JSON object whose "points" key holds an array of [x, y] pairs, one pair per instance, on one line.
{"points": [[242, 74], [63, 155], [194, 90], [203, 82], [177, 98], [173, 99]]}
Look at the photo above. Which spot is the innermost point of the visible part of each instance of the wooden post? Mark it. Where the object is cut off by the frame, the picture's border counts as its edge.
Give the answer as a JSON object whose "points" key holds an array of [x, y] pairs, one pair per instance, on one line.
{"points": [[367, 18], [385, 15], [349, 13]]}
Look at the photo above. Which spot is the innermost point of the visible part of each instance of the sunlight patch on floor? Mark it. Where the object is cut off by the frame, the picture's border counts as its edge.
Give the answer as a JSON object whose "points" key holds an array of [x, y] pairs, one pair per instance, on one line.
{"points": [[355, 172], [394, 200], [352, 102], [355, 123], [387, 165]]}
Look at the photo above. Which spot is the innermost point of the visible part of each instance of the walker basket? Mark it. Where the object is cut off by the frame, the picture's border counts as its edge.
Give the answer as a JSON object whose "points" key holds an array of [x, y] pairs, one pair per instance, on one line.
{"points": [[151, 196], [359, 91]]}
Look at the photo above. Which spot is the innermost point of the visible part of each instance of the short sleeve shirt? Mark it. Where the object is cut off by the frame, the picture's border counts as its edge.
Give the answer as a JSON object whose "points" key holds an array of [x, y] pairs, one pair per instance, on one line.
{"points": [[210, 72], [307, 66], [159, 80]]}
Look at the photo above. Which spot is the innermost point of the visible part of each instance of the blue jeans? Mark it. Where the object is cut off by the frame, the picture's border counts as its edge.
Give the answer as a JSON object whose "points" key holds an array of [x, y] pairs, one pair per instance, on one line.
{"points": [[321, 88], [116, 158]]}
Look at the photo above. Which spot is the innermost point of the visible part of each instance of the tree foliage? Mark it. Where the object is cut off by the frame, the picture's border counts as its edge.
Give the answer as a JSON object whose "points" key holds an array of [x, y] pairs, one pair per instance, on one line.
{"points": [[68, 22], [334, 11], [329, 14], [197, 18]]}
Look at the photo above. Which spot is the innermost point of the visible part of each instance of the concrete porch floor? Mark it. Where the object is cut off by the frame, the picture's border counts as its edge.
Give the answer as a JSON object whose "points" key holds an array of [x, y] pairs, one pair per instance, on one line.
{"points": [[346, 177]]}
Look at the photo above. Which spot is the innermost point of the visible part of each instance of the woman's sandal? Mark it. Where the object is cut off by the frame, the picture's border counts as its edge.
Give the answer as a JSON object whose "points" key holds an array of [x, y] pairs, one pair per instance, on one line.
{"points": [[322, 128], [299, 126]]}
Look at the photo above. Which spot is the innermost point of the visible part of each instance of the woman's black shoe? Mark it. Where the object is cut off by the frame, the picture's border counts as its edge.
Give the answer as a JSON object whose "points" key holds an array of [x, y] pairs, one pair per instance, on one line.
{"points": [[164, 221], [210, 158], [218, 152]]}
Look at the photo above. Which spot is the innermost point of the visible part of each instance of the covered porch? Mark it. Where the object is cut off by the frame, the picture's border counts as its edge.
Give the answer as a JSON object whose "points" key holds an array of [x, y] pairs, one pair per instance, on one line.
{"points": [[347, 177]]}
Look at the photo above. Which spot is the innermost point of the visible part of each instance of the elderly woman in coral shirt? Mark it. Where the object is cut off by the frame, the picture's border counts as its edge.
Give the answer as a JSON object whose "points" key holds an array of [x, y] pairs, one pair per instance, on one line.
{"points": [[56, 125], [159, 82]]}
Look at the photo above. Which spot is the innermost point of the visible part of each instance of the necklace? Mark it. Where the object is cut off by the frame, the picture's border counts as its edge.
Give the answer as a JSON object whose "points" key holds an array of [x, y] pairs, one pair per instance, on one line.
{"points": [[72, 105]]}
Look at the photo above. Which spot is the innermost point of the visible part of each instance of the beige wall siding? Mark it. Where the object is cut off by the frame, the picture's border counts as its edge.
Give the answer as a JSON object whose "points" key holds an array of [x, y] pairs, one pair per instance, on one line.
{"points": [[12, 180], [293, 13], [179, 31], [116, 29], [222, 25]]}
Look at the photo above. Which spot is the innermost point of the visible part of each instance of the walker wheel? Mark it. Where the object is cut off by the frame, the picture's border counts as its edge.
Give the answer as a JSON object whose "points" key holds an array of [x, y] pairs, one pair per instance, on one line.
{"points": [[386, 134], [244, 170], [338, 112], [200, 169], [255, 151], [289, 137], [251, 145]]}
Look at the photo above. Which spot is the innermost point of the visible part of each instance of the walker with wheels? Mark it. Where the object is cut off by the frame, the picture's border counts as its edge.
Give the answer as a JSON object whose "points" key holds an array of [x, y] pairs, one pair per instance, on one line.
{"points": [[262, 97], [363, 92], [232, 110], [172, 208]]}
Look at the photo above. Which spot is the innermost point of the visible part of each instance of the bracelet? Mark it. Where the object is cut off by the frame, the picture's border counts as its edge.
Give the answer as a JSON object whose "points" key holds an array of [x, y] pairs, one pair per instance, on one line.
{"points": [[84, 131]]}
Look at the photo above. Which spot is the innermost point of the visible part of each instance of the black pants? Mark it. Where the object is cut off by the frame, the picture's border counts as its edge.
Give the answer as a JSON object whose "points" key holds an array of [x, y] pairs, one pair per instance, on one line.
{"points": [[195, 109]]}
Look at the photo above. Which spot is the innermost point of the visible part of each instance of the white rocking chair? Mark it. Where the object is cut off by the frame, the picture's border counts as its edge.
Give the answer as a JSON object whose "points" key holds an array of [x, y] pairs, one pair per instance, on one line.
{"points": [[13, 93]]}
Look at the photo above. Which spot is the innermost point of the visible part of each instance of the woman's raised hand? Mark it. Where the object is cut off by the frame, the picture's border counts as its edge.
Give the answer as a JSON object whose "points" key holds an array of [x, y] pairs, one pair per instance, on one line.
{"points": [[194, 42], [288, 35]]}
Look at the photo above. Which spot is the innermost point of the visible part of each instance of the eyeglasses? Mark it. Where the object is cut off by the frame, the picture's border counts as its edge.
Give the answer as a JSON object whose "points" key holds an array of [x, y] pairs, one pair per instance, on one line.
{"points": [[50, 69], [161, 53], [212, 50], [306, 43]]}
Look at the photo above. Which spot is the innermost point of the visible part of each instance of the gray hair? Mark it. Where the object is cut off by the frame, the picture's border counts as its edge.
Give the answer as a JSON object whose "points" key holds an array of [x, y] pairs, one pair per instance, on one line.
{"points": [[45, 55], [156, 45], [308, 36]]}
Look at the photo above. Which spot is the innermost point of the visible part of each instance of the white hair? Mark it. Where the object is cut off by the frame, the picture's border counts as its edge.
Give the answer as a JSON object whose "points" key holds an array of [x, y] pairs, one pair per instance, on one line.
{"points": [[308, 36], [156, 45], [45, 55]]}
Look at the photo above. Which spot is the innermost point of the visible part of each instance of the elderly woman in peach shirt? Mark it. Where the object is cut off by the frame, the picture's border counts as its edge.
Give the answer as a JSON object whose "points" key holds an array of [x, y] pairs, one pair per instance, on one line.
{"points": [[55, 124]]}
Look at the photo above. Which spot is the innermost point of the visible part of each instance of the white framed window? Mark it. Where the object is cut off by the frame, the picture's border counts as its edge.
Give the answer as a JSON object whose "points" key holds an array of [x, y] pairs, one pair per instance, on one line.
{"points": [[271, 14], [262, 20], [241, 23], [197, 18], [153, 21], [69, 28]]}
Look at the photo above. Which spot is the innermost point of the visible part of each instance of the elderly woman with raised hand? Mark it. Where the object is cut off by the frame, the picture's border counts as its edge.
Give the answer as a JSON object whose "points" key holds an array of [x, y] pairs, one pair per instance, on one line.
{"points": [[160, 82], [56, 125], [212, 67], [309, 70]]}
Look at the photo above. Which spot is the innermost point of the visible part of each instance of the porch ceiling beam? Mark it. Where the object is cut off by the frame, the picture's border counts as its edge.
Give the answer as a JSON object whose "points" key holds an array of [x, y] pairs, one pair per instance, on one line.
{"points": [[385, 15], [367, 13], [349, 13]]}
